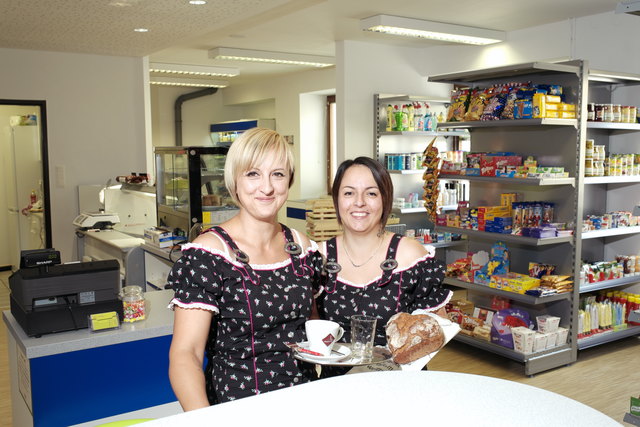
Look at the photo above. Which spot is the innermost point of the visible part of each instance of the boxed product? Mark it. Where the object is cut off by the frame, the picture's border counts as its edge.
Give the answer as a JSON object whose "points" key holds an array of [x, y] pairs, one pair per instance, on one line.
{"points": [[161, 237], [484, 314], [552, 339], [563, 334], [523, 339], [540, 342], [482, 332], [548, 323], [492, 162], [502, 323]]}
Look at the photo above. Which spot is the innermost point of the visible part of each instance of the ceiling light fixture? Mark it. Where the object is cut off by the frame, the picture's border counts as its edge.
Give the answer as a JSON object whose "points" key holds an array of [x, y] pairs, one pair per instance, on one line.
{"points": [[233, 54], [141, 30], [197, 2], [192, 70], [631, 7], [182, 81], [409, 27]]}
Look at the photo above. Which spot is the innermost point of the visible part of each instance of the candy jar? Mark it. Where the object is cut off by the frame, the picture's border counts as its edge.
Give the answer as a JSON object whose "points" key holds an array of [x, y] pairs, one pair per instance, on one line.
{"points": [[133, 306]]}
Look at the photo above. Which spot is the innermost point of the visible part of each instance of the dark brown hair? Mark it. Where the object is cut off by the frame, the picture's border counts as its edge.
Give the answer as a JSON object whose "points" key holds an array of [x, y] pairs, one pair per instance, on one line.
{"points": [[380, 176]]}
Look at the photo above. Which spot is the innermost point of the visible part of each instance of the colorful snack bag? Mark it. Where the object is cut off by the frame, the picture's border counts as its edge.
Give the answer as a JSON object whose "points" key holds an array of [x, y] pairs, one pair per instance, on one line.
{"points": [[459, 103], [476, 104]]}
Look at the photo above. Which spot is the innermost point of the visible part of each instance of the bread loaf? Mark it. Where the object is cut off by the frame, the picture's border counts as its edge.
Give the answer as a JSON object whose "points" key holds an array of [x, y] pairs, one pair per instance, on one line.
{"points": [[410, 337]]}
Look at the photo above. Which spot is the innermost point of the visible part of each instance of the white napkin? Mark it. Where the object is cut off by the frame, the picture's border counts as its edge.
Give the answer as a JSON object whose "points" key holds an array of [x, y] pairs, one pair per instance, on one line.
{"points": [[450, 330]]}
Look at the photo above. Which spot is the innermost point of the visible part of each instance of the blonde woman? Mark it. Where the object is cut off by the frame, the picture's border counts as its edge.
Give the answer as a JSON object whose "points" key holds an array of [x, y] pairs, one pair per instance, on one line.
{"points": [[245, 288]]}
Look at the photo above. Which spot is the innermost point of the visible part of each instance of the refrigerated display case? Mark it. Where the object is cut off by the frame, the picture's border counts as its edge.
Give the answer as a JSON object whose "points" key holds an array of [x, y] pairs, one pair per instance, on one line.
{"points": [[224, 133], [190, 188]]}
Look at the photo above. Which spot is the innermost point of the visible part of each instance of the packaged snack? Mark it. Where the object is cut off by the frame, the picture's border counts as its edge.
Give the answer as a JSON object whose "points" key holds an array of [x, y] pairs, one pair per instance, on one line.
{"points": [[459, 104], [477, 103], [538, 270], [509, 107], [495, 105], [502, 323]]}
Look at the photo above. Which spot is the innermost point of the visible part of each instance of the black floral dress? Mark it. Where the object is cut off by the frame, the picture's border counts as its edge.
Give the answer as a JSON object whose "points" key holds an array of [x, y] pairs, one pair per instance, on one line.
{"points": [[395, 290], [258, 309]]}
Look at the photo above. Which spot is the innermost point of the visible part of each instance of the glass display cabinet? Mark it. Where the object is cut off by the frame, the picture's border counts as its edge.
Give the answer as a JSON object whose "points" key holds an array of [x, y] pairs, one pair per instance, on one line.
{"points": [[190, 190]]}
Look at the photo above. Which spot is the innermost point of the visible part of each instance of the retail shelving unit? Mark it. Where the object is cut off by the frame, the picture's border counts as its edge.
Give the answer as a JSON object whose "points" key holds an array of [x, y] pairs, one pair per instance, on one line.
{"points": [[611, 193], [553, 142]]}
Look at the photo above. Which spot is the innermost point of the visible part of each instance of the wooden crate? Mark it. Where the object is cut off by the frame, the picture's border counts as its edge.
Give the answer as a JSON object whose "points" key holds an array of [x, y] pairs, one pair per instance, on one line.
{"points": [[322, 222]]}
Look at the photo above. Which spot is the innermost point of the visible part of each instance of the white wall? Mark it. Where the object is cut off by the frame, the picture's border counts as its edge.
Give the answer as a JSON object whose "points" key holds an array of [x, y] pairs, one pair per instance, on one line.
{"points": [[286, 92], [95, 117], [197, 115], [363, 70]]}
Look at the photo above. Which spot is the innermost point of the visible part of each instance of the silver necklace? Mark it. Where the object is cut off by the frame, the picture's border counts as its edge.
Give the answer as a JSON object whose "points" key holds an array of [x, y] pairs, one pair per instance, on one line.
{"points": [[346, 250]]}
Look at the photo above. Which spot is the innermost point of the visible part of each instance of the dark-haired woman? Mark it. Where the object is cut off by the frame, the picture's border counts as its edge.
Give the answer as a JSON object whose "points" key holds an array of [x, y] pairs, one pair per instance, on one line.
{"points": [[367, 269]]}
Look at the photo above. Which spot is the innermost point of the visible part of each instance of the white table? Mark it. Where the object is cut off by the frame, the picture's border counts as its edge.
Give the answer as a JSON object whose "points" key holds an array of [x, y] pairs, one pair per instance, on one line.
{"points": [[400, 398]]}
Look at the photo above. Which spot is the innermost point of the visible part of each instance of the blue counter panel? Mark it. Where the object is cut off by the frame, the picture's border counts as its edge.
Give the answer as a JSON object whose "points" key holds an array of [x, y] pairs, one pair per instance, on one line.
{"points": [[80, 386]]}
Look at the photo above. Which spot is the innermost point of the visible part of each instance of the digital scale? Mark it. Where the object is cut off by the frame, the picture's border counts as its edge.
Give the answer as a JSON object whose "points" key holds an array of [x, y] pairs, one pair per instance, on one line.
{"points": [[99, 220]]}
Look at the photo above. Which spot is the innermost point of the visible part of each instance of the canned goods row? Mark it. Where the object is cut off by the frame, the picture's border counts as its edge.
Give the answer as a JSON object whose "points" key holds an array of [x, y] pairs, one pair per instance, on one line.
{"points": [[403, 161]]}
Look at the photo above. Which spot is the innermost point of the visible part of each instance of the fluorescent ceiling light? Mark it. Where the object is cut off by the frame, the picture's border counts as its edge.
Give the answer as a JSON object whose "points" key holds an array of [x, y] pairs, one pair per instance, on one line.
{"points": [[193, 70], [631, 7], [409, 27], [183, 81], [233, 54]]}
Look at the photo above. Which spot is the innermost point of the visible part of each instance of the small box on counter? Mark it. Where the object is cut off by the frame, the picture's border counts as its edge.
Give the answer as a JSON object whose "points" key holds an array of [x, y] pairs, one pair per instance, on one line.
{"points": [[492, 162], [161, 237]]}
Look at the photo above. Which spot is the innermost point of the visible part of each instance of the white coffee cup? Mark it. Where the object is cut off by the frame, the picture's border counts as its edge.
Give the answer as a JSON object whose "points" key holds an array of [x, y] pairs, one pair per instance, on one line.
{"points": [[322, 335]]}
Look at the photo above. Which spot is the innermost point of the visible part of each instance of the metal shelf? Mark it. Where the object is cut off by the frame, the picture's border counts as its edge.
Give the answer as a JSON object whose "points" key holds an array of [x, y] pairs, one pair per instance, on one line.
{"points": [[607, 337], [508, 123], [527, 299], [509, 71], [405, 171], [620, 231], [409, 210], [507, 352], [519, 181], [614, 126], [424, 133], [607, 284], [446, 244], [530, 241], [612, 179], [397, 98]]}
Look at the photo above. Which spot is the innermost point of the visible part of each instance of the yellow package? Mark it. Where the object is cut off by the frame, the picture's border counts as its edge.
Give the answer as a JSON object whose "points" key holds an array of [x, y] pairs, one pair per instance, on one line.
{"points": [[538, 105], [552, 114], [551, 106], [567, 107], [567, 114], [552, 98]]}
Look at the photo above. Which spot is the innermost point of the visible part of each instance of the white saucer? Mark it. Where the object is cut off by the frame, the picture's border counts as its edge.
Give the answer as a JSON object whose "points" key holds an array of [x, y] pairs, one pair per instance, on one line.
{"points": [[338, 352]]}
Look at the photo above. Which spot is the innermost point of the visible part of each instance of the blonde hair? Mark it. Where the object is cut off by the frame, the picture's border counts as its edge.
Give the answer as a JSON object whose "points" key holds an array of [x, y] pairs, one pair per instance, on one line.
{"points": [[249, 149]]}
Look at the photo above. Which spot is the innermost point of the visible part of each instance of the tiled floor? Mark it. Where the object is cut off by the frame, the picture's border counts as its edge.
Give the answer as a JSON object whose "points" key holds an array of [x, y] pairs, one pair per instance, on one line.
{"points": [[604, 377]]}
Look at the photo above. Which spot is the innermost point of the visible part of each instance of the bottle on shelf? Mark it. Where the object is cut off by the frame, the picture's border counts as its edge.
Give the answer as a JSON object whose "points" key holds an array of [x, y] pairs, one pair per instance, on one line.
{"points": [[427, 119], [391, 119], [411, 112]]}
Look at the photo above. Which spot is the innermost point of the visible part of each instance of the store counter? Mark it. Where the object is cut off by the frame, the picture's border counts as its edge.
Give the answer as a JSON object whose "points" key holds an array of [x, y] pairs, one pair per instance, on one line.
{"points": [[400, 398], [75, 377]]}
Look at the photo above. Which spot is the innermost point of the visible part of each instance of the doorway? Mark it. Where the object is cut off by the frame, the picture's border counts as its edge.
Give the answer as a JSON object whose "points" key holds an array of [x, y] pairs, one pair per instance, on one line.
{"points": [[25, 217]]}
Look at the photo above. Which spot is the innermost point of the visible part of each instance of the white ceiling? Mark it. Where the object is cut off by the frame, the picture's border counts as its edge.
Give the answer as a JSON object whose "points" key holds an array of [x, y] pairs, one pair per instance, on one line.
{"points": [[182, 33]]}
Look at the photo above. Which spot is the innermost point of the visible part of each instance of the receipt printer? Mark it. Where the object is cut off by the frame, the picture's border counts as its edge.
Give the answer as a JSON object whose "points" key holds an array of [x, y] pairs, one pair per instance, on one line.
{"points": [[58, 298]]}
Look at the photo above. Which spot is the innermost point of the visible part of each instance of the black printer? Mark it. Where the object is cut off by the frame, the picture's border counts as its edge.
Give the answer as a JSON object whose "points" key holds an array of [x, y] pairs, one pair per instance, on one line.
{"points": [[56, 298]]}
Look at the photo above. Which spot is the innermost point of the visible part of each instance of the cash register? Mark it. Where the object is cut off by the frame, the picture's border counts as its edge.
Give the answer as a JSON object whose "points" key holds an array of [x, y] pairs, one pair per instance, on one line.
{"points": [[47, 296]]}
